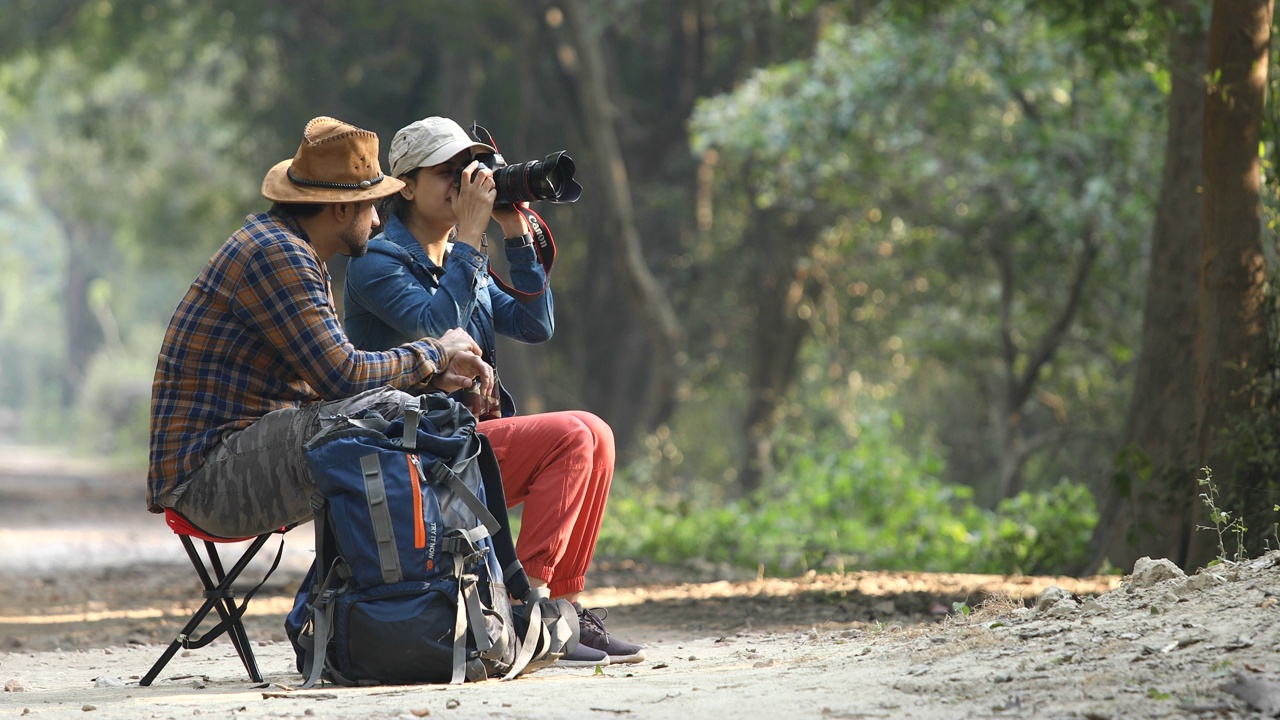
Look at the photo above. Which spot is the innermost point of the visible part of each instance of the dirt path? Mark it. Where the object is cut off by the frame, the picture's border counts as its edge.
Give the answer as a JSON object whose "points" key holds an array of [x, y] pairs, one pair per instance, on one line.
{"points": [[93, 588]]}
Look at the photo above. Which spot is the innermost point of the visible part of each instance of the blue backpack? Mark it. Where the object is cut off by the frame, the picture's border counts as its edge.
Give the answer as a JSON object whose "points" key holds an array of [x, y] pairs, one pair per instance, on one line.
{"points": [[414, 559]]}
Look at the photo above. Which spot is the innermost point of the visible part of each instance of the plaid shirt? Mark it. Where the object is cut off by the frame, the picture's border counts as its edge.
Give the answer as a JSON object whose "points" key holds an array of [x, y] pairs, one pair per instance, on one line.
{"points": [[257, 332]]}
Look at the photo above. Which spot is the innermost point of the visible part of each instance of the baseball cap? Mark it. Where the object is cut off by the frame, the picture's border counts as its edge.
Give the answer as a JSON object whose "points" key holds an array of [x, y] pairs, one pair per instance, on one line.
{"points": [[430, 141]]}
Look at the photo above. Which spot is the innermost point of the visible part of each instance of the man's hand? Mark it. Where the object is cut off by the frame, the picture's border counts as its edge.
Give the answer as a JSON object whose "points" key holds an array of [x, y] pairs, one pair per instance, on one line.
{"points": [[465, 363], [457, 340], [465, 368]]}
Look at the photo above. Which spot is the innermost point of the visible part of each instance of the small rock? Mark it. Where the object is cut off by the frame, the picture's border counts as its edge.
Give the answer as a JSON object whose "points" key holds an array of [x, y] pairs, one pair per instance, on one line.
{"points": [[1050, 597], [1092, 606], [107, 681], [88, 708], [13, 685], [1148, 572], [1063, 608], [1199, 583], [1262, 695], [452, 703]]}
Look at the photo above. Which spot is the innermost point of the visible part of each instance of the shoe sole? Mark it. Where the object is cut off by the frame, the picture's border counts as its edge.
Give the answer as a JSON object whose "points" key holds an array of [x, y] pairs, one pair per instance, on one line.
{"points": [[625, 659], [583, 663]]}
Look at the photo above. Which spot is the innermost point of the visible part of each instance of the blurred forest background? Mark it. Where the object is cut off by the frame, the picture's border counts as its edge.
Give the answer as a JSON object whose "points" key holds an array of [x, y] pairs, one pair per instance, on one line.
{"points": [[974, 286]]}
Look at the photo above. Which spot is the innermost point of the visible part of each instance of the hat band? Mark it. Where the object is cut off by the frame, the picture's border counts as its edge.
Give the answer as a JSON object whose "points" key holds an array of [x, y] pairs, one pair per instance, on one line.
{"points": [[362, 185]]}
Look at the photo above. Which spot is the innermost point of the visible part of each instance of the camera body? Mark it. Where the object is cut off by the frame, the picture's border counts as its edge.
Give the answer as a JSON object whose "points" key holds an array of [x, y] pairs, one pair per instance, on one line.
{"points": [[549, 179]]}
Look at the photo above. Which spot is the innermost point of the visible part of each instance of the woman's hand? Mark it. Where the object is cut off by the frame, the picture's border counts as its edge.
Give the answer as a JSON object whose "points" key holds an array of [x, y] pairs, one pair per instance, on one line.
{"points": [[473, 205], [513, 223]]}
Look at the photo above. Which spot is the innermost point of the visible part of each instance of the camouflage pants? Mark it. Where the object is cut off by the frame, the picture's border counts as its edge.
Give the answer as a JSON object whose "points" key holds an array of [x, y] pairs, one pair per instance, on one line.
{"points": [[256, 479]]}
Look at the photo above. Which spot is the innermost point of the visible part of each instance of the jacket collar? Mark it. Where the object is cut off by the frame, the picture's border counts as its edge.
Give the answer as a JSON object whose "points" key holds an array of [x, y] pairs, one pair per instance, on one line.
{"points": [[398, 234]]}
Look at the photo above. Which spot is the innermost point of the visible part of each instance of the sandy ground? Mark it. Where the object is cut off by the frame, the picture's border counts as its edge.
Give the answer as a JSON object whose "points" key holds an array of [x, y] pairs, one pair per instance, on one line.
{"points": [[93, 588]]}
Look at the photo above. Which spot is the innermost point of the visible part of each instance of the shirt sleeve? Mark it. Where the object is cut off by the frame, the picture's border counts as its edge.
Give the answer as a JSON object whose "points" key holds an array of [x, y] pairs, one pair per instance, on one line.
{"points": [[284, 296], [387, 288]]}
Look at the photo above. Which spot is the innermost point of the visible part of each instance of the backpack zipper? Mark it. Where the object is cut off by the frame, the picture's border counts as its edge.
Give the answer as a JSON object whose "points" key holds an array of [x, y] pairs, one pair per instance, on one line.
{"points": [[419, 530]]}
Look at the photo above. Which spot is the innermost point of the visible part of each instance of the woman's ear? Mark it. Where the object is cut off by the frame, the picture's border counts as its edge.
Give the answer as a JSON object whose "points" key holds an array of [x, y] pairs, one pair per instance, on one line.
{"points": [[406, 192]]}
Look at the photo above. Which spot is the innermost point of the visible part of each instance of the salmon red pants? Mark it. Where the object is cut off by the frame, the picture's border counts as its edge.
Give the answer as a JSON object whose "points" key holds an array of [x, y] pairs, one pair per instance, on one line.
{"points": [[560, 465]]}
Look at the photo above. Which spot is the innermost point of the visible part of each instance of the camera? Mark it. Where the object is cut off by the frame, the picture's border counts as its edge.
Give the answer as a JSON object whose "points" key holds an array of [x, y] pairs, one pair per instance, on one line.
{"points": [[548, 179]]}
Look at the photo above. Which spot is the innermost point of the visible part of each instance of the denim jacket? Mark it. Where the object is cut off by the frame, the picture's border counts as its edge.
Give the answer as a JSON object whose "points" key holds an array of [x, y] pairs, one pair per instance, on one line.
{"points": [[395, 294]]}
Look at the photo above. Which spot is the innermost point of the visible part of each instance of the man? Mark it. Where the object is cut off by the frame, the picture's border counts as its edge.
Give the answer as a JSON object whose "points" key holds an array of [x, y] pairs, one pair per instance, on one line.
{"points": [[255, 359]]}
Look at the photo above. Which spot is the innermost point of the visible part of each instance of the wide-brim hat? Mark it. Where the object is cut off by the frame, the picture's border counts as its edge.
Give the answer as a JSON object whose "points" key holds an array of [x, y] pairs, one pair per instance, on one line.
{"points": [[336, 162], [430, 141]]}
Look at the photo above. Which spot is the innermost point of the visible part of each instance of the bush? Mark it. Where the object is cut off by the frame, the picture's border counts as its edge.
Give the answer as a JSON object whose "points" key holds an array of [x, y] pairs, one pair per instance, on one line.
{"points": [[870, 505]]}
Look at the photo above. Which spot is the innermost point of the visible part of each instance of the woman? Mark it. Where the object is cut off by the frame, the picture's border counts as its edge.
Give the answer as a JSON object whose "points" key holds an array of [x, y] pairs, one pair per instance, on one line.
{"points": [[428, 273]]}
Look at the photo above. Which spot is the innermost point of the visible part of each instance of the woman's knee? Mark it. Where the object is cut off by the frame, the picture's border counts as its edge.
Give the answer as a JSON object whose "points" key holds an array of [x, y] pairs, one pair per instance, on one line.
{"points": [[601, 435]]}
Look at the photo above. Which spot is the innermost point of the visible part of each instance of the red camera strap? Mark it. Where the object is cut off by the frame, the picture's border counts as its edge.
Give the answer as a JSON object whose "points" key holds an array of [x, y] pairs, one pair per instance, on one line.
{"points": [[543, 244]]}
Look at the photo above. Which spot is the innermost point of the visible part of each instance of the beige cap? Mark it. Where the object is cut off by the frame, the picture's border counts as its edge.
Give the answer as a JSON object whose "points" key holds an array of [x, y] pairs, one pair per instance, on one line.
{"points": [[430, 141]]}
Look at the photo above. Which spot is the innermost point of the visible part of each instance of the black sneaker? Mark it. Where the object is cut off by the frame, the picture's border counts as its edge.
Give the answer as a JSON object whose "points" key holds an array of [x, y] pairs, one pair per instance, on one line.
{"points": [[583, 656], [595, 636]]}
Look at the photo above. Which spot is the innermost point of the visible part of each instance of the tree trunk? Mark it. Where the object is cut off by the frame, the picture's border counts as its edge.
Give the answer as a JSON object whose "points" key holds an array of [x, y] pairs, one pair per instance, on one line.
{"points": [[645, 294], [776, 332], [1143, 510], [1231, 340], [1013, 443], [83, 335]]}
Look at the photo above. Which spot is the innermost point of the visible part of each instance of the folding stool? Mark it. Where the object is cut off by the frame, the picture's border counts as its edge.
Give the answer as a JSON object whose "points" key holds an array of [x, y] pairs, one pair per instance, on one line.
{"points": [[218, 594]]}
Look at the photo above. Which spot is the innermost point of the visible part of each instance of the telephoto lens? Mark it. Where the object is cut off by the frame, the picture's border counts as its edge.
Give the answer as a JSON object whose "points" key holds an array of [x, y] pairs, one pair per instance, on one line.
{"points": [[548, 179]]}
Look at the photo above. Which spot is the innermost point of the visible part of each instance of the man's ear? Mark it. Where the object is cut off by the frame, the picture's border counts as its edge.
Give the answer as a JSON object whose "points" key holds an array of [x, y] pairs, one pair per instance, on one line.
{"points": [[342, 212]]}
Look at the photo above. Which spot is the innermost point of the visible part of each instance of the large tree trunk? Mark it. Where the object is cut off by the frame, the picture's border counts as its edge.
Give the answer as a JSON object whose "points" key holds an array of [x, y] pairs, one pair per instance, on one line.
{"points": [[82, 332], [1231, 341], [1143, 511], [646, 296], [780, 284]]}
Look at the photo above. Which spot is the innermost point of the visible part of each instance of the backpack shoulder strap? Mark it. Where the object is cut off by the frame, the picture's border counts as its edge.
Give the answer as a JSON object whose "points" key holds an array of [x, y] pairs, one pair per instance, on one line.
{"points": [[504, 546]]}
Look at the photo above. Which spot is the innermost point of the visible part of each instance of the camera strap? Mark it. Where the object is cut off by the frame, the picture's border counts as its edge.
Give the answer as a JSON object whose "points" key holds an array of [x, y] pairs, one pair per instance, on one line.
{"points": [[543, 244]]}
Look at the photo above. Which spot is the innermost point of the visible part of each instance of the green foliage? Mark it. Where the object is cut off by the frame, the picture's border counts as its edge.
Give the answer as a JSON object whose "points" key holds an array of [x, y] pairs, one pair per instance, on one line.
{"points": [[961, 165], [1043, 532], [114, 409], [838, 504]]}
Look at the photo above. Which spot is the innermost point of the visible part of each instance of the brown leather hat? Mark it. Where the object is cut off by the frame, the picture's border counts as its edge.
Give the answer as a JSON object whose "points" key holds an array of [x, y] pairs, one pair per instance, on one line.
{"points": [[335, 163]]}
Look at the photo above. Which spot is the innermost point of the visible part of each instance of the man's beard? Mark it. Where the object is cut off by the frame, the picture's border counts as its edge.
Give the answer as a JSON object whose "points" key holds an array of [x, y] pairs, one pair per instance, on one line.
{"points": [[357, 243]]}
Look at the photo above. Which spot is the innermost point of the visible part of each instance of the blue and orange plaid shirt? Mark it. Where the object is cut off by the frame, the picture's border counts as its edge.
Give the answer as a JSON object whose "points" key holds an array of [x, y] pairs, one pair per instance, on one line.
{"points": [[257, 332]]}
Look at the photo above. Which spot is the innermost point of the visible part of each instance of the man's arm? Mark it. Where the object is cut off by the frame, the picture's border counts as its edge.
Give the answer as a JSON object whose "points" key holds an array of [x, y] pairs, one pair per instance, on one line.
{"points": [[284, 296]]}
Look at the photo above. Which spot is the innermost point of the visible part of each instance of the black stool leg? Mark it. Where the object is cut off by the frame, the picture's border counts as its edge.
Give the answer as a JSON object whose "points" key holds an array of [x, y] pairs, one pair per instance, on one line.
{"points": [[218, 596], [227, 608]]}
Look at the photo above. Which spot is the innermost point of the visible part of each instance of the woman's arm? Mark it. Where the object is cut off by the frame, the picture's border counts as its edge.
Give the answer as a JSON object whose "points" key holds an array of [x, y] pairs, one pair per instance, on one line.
{"points": [[384, 285], [527, 319]]}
